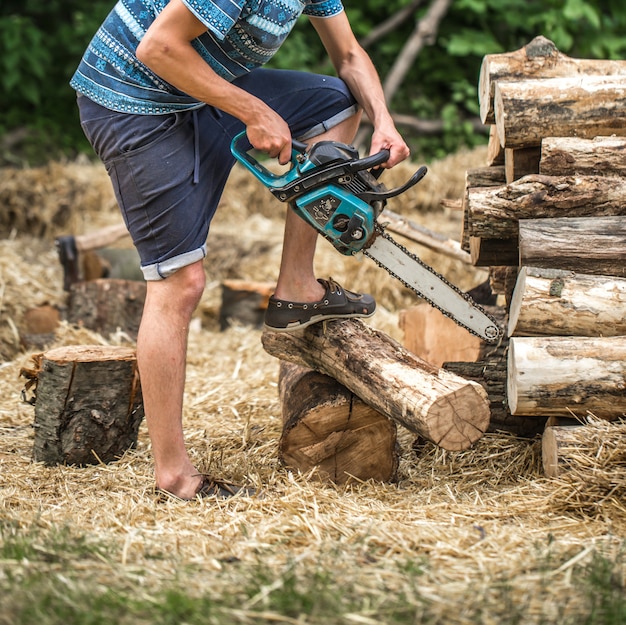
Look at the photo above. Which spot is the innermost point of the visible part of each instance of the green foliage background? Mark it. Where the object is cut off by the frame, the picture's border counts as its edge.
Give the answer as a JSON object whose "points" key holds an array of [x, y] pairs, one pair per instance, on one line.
{"points": [[41, 44]]}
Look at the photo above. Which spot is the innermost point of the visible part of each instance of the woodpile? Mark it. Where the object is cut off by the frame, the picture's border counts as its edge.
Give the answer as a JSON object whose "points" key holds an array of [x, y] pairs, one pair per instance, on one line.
{"points": [[547, 215]]}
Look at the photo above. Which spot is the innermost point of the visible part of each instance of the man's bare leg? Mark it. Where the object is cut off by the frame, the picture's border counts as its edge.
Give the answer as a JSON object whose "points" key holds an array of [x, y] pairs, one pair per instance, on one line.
{"points": [[161, 357], [296, 280]]}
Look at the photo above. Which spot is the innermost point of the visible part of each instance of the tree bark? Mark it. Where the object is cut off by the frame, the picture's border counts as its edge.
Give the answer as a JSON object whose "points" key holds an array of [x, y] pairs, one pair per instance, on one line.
{"points": [[493, 213], [567, 156], [441, 407], [563, 303], [88, 404], [595, 245], [588, 106], [566, 376], [328, 430], [538, 59]]}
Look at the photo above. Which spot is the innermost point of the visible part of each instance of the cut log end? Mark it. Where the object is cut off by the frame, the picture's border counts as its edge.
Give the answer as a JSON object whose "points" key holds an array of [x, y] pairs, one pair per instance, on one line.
{"points": [[469, 422]]}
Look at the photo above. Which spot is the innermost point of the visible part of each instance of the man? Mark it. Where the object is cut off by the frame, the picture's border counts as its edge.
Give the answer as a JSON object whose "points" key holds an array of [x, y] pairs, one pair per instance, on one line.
{"points": [[163, 88]]}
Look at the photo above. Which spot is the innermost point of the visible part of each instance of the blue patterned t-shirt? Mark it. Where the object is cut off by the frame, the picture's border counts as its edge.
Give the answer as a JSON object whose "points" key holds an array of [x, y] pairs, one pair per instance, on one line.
{"points": [[241, 35]]}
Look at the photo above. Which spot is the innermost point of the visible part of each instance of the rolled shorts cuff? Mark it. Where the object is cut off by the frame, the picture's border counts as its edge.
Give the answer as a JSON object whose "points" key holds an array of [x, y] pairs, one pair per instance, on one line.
{"points": [[163, 269], [333, 121]]}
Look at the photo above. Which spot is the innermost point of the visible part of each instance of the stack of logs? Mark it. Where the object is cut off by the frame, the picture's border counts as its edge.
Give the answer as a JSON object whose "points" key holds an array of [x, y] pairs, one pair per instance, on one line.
{"points": [[547, 216]]}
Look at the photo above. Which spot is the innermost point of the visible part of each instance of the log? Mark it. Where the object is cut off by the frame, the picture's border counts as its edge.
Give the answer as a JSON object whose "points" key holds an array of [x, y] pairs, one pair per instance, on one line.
{"points": [[567, 376], [502, 280], [100, 238], [423, 235], [558, 443], [435, 338], [490, 371], [88, 404], [244, 302], [595, 245], [520, 162], [478, 177], [493, 213], [495, 152], [587, 106], [564, 303], [493, 380], [538, 59], [490, 252], [439, 406], [600, 156], [329, 431], [107, 306]]}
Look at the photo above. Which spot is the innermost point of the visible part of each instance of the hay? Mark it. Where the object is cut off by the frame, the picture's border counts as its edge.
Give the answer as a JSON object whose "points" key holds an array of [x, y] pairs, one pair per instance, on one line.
{"points": [[473, 522], [593, 476]]}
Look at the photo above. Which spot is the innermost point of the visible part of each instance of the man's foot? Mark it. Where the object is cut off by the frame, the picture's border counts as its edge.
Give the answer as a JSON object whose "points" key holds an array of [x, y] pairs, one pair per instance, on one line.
{"points": [[337, 303], [210, 487]]}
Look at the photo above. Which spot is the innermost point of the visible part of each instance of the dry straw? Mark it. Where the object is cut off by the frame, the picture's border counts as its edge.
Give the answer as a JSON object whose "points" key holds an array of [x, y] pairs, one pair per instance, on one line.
{"points": [[473, 521]]}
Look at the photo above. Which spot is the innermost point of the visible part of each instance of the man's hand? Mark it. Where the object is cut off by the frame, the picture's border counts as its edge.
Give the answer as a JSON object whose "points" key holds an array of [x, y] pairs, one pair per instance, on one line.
{"points": [[392, 141], [271, 136]]}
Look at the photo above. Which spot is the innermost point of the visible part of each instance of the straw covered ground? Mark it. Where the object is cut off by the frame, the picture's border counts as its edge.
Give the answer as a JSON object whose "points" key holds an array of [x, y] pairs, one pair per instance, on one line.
{"points": [[478, 536]]}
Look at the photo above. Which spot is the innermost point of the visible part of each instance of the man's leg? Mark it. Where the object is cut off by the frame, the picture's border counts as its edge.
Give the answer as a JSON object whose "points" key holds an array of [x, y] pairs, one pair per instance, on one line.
{"points": [[296, 280], [161, 357]]}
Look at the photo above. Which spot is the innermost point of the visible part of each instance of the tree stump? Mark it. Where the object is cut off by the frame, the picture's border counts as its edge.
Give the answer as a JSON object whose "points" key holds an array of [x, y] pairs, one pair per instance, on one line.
{"points": [[88, 404], [245, 302], [327, 428], [107, 305]]}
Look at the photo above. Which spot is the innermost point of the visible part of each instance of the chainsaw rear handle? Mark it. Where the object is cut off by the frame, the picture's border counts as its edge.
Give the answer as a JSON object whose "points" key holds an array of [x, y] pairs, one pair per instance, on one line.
{"points": [[240, 148]]}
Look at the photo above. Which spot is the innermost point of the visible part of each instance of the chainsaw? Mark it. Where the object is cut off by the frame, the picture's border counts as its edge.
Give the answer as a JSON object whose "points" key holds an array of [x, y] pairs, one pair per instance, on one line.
{"points": [[339, 194]]}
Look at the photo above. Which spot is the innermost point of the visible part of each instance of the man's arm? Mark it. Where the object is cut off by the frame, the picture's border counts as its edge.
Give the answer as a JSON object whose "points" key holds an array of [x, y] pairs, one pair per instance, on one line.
{"points": [[166, 49], [355, 67]]}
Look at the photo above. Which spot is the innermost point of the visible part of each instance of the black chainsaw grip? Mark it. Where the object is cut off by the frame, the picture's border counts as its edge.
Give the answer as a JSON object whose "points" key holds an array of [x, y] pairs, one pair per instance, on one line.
{"points": [[299, 146], [369, 161]]}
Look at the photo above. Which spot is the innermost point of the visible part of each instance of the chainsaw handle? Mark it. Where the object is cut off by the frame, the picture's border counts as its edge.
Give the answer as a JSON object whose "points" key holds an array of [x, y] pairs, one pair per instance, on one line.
{"points": [[369, 161], [240, 147]]}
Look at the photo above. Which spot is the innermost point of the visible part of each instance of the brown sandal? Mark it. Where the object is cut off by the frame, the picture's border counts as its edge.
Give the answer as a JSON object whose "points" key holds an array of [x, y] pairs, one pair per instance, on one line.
{"points": [[337, 303]]}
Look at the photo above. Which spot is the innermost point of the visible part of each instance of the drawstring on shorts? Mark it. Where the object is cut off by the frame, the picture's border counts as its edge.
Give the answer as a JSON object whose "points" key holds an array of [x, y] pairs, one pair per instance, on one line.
{"points": [[196, 147]]}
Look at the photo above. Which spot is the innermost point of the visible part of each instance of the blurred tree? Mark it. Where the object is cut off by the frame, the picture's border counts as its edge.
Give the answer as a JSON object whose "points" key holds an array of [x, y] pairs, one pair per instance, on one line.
{"points": [[41, 44]]}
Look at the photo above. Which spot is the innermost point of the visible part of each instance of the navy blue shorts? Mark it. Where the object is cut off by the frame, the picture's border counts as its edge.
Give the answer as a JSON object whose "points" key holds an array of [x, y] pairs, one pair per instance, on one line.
{"points": [[169, 171]]}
